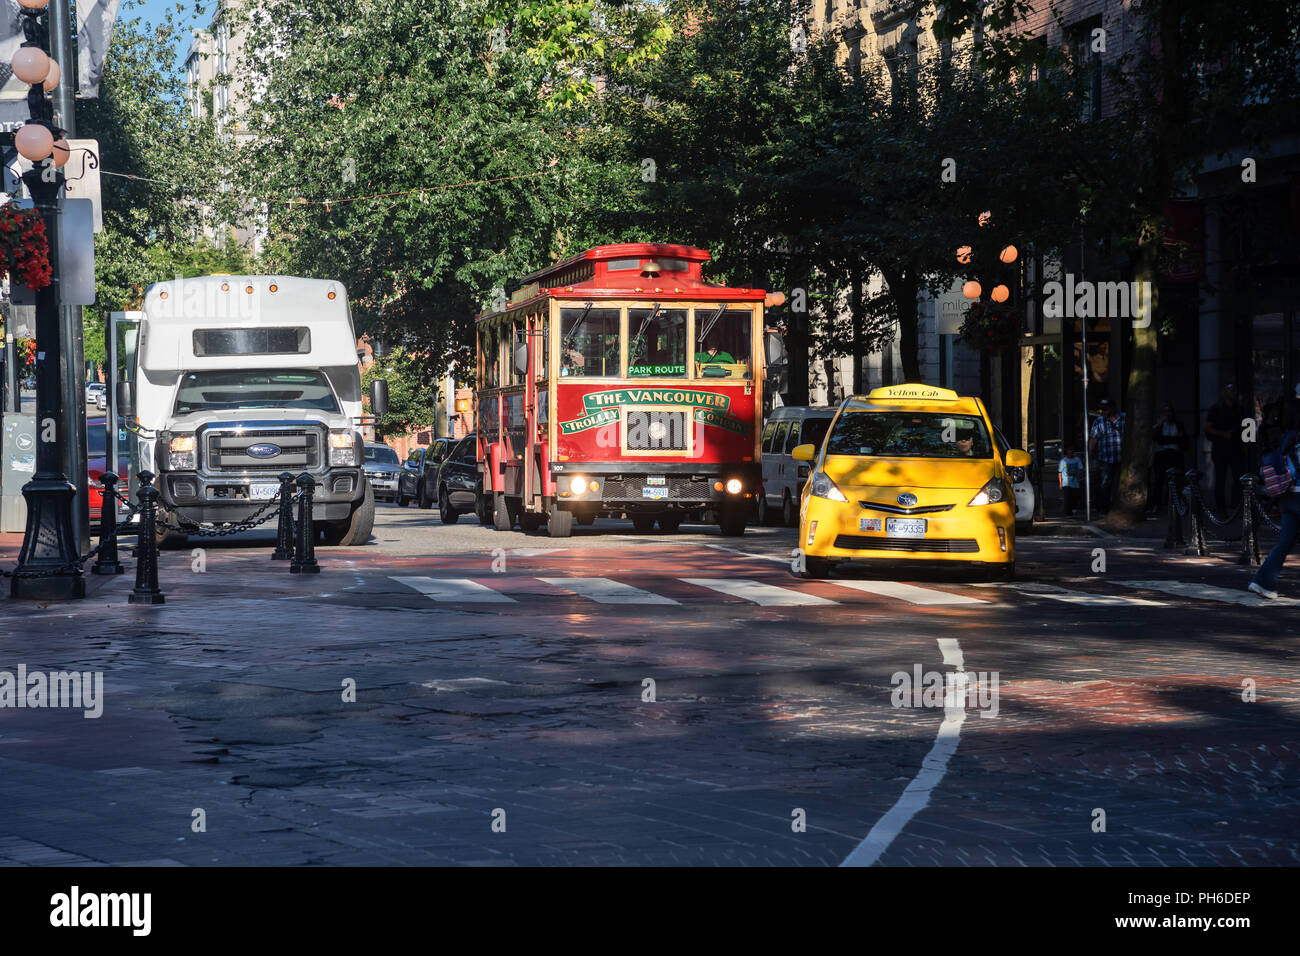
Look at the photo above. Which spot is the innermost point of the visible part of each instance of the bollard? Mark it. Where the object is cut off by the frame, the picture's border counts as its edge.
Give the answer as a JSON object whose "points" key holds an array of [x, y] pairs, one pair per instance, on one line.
{"points": [[1174, 535], [284, 530], [304, 561], [146, 567], [107, 562], [1249, 528], [1196, 507]]}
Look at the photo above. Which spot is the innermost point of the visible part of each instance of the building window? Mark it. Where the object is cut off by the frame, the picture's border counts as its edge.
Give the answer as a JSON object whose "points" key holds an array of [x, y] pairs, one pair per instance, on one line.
{"points": [[1086, 63]]}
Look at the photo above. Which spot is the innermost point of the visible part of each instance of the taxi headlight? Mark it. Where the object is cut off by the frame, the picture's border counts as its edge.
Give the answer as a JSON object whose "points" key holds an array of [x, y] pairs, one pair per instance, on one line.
{"points": [[823, 487], [992, 493], [343, 449], [181, 453], [578, 485]]}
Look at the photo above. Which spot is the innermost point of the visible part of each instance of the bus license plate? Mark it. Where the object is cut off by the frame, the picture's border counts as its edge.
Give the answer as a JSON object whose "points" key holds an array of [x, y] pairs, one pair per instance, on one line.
{"points": [[905, 528], [262, 492], [655, 493]]}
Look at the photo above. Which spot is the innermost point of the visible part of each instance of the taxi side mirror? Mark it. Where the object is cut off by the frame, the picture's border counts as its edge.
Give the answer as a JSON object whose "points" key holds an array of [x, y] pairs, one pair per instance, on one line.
{"points": [[1018, 459], [804, 452]]}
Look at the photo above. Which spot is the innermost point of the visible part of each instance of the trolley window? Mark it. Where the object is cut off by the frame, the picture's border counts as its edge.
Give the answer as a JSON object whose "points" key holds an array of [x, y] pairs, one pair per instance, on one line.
{"points": [[722, 343], [656, 343], [589, 342]]}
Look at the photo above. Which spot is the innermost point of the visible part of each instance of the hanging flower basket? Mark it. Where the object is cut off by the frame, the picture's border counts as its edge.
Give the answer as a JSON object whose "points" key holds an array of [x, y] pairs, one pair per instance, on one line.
{"points": [[26, 253], [990, 328]]}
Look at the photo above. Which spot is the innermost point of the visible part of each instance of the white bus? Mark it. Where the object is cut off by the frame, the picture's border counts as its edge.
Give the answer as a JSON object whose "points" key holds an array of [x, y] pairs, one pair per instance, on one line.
{"points": [[240, 378]]}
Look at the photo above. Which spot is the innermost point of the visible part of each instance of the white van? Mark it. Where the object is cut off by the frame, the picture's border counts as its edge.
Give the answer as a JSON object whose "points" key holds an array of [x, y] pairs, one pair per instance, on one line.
{"points": [[240, 378], [783, 477]]}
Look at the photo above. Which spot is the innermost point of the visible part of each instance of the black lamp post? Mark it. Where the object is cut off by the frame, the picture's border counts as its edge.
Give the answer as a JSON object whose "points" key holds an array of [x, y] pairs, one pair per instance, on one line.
{"points": [[45, 564]]}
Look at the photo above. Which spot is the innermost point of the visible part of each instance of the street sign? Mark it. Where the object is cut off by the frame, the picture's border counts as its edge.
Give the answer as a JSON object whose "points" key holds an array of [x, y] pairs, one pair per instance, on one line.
{"points": [[18, 450], [76, 252]]}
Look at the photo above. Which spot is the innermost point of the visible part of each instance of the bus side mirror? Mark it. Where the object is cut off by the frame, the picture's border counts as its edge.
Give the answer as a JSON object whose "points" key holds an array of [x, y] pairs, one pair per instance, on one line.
{"points": [[379, 398], [775, 352], [126, 400], [521, 358]]}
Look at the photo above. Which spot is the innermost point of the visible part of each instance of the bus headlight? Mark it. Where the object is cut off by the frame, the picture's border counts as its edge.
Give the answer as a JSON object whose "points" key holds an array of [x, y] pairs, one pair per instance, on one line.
{"points": [[734, 486], [181, 453], [578, 485], [343, 449]]}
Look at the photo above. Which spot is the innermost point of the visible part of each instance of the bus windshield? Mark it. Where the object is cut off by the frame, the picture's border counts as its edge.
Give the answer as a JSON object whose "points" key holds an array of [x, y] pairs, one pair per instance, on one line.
{"points": [[658, 343], [589, 342], [238, 388]]}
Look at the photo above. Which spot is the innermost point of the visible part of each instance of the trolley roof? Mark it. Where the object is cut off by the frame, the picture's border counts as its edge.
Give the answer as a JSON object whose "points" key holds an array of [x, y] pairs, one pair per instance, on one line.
{"points": [[629, 270]]}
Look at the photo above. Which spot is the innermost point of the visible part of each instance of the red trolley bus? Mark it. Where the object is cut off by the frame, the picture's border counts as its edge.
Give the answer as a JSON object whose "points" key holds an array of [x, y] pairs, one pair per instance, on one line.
{"points": [[618, 383]]}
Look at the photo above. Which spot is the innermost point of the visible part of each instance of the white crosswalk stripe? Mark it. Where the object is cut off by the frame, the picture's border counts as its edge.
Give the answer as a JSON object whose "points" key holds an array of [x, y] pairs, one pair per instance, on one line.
{"points": [[767, 595], [605, 591], [1082, 597], [455, 589], [1208, 592], [908, 592]]}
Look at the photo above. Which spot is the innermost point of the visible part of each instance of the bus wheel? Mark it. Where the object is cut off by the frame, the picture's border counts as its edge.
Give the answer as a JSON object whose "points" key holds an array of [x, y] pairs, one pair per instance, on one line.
{"points": [[731, 519], [560, 523], [500, 515], [669, 523], [643, 523]]}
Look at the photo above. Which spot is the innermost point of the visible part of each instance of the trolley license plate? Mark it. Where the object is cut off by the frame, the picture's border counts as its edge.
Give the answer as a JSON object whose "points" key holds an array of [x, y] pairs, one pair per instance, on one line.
{"points": [[264, 492], [655, 493], [905, 528]]}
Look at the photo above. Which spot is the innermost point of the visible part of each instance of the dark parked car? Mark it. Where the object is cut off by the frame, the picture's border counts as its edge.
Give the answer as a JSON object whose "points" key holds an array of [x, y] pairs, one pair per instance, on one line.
{"points": [[382, 467], [458, 481], [419, 477]]}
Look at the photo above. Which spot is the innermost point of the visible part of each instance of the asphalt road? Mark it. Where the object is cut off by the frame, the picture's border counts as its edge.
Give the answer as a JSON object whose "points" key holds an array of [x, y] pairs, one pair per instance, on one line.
{"points": [[616, 698]]}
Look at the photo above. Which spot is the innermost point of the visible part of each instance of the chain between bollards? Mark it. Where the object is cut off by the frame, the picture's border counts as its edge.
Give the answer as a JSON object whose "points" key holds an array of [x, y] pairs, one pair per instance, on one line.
{"points": [[284, 530], [304, 560], [146, 589], [1197, 509], [1174, 534]]}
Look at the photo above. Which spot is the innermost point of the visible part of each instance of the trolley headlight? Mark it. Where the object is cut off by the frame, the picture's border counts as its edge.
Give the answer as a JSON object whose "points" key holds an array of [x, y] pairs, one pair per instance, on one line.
{"points": [[993, 492], [734, 486], [823, 487], [181, 451], [578, 485], [343, 449]]}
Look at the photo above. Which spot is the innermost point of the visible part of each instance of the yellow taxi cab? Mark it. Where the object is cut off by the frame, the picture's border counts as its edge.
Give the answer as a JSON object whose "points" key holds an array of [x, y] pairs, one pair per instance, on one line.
{"points": [[908, 472]]}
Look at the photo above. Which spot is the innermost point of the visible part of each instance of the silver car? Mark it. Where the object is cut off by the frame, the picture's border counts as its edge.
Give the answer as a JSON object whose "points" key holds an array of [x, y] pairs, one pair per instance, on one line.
{"points": [[382, 467]]}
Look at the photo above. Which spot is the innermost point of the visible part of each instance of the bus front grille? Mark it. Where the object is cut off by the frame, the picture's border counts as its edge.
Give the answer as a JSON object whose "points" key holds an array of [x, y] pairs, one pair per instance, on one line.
{"points": [[229, 451]]}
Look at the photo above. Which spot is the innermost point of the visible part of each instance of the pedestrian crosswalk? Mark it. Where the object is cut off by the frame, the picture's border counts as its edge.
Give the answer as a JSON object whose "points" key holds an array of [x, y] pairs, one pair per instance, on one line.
{"points": [[672, 590]]}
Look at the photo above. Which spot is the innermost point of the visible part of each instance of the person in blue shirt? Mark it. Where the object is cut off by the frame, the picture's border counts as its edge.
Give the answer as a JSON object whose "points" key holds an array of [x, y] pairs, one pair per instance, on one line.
{"points": [[1070, 475]]}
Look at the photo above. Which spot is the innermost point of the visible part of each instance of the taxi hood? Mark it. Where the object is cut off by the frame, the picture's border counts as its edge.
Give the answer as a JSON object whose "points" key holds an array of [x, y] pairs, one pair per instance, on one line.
{"points": [[851, 471]]}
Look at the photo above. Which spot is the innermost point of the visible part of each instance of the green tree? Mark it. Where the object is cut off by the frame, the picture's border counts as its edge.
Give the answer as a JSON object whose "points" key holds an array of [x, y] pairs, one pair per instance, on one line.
{"points": [[411, 406]]}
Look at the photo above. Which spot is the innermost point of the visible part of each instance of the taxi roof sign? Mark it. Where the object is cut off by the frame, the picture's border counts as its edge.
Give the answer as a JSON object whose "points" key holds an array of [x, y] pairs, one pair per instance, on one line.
{"points": [[913, 393]]}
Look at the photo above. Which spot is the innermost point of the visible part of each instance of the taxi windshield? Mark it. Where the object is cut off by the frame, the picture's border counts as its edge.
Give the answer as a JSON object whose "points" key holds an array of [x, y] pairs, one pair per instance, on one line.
{"points": [[897, 434]]}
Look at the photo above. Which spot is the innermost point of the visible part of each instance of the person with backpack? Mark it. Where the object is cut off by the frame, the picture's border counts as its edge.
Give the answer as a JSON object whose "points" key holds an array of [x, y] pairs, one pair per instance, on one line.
{"points": [[1282, 462]]}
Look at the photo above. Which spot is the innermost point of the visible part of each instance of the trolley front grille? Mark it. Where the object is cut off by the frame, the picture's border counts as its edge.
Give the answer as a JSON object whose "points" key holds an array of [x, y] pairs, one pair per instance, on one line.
{"points": [[650, 430], [632, 488]]}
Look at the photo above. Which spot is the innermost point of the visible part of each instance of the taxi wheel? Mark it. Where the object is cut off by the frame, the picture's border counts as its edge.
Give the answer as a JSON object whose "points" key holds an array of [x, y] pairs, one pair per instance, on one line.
{"points": [[815, 568], [789, 511]]}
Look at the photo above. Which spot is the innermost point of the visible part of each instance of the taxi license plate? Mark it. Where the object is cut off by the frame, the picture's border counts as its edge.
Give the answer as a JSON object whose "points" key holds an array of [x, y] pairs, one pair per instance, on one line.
{"points": [[905, 528], [868, 524], [263, 492], [655, 493]]}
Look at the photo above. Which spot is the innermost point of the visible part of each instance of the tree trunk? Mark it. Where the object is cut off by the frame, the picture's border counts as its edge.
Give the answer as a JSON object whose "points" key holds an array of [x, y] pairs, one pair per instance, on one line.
{"points": [[859, 350], [904, 292], [798, 347]]}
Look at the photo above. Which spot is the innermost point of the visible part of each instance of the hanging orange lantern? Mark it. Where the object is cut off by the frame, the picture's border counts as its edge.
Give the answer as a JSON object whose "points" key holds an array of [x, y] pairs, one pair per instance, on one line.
{"points": [[1000, 293], [1008, 254], [971, 289]]}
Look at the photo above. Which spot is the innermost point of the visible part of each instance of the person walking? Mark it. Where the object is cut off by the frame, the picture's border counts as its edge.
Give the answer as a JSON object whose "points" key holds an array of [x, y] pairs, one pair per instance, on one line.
{"points": [[1264, 583], [1106, 442], [1169, 443], [1223, 429]]}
